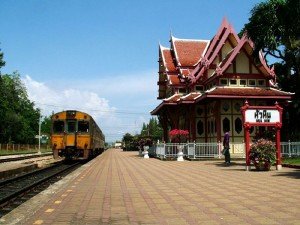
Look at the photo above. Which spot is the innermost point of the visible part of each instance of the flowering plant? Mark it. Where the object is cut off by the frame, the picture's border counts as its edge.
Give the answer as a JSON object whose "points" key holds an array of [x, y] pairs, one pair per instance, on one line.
{"points": [[145, 142], [178, 136], [263, 154]]}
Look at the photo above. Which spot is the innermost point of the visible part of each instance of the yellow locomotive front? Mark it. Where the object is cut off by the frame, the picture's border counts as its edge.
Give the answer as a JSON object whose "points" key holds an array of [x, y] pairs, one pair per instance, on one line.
{"points": [[74, 134]]}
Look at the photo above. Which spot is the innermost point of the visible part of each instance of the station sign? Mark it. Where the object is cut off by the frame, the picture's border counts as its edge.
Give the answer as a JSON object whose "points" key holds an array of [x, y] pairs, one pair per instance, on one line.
{"points": [[269, 116], [262, 116]]}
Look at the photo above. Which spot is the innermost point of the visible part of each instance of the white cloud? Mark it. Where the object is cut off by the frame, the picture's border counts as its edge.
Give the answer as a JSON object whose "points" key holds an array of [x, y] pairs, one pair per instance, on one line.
{"points": [[129, 94], [50, 99], [115, 85]]}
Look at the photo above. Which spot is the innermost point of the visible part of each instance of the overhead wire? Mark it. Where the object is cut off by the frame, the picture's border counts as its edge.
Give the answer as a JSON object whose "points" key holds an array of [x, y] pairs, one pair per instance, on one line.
{"points": [[97, 110]]}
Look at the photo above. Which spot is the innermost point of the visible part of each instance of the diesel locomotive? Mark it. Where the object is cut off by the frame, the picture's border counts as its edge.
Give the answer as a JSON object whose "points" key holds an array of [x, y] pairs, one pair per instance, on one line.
{"points": [[75, 135]]}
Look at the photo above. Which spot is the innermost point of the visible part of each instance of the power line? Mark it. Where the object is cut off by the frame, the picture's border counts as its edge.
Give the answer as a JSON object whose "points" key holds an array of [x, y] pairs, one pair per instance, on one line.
{"points": [[98, 110]]}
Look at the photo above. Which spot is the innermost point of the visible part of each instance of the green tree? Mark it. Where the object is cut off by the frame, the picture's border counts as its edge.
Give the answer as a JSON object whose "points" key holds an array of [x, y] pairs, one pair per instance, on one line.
{"points": [[130, 142], [274, 27], [46, 125], [19, 119], [152, 130], [2, 62]]}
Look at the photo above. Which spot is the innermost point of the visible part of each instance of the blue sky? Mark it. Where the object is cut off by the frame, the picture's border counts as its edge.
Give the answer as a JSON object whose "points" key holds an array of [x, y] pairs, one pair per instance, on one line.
{"points": [[101, 56]]}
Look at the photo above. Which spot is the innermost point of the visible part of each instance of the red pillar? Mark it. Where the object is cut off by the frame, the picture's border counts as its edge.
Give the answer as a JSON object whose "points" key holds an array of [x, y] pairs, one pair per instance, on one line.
{"points": [[247, 145], [278, 152]]}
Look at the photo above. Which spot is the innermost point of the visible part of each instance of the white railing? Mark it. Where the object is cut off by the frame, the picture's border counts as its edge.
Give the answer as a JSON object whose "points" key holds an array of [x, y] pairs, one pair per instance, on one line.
{"points": [[289, 149], [213, 150], [205, 150], [190, 150], [168, 150]]}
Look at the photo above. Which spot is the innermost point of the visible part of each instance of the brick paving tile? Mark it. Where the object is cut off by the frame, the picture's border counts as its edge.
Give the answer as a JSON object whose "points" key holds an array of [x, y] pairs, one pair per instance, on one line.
{"points": [[121, 188]]}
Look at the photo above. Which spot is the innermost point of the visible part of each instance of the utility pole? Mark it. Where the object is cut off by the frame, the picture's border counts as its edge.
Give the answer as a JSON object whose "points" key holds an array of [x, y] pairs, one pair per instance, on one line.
{"points": [[40, 123]]}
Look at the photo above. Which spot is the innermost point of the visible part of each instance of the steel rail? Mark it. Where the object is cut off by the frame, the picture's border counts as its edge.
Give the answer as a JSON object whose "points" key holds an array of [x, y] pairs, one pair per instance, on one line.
{"points": [[14, 187]]}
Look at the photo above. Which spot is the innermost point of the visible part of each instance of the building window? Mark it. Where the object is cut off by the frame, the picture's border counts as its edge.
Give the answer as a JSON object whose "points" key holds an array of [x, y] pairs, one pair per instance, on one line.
{"points": [[225, 106], [223, 81], [233, 82], [199, 88], [261, 82], [252, 82], [226, 124], [243, 82], [182, 90], [200, 128], [237, 106], [209, 86], [199, 111], [238, 125]]}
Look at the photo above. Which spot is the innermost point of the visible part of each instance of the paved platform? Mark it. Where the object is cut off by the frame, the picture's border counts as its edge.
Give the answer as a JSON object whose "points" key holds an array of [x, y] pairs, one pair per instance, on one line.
{"points": [[121, 188], [12, 168]]}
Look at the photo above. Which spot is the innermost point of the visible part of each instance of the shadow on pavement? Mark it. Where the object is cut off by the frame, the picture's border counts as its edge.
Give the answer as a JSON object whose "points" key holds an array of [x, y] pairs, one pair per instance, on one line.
{"points": [[292, 174], [233, 165]]}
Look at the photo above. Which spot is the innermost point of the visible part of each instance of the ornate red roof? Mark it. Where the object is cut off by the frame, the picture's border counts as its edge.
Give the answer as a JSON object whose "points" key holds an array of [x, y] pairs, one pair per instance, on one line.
{"points": [[224, 92], [194, 59], [174, 80], [188, 52], [247, 92], [168, 59], [191, 97], [226, 32], [173, 99], [185, 72]]}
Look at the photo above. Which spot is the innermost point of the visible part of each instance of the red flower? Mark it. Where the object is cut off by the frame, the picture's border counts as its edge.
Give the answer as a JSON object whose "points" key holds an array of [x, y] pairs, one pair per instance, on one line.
{"points": [[179, 135]]}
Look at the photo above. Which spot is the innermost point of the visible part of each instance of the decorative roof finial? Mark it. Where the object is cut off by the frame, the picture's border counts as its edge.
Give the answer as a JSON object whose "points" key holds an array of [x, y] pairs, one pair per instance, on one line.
{"points": [[171, 34]]}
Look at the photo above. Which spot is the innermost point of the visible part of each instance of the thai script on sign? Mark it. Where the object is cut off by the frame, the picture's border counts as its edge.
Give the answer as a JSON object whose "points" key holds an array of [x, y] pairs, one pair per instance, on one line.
{"points": [[262, 116]]}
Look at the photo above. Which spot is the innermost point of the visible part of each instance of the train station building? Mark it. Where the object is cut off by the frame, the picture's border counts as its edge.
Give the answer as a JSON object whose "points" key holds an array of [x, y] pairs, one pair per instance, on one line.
{"points": [[202, 85]]}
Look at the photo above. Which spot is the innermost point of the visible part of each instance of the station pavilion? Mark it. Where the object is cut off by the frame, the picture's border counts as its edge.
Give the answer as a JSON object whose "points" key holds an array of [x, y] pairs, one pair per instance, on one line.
{"points": [[204, 83]]}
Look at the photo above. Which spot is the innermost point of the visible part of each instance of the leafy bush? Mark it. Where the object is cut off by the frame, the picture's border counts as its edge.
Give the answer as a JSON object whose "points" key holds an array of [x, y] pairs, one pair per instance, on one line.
{"points": [[263, 152]]}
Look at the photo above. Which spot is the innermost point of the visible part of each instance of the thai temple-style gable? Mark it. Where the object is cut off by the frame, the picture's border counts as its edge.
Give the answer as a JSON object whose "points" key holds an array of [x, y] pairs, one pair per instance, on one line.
{"points": [[177, 62], [203, 75]]}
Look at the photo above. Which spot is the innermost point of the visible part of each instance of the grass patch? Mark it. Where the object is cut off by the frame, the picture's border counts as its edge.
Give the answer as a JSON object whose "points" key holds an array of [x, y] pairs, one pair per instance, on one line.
{"points": [[291, 161]]}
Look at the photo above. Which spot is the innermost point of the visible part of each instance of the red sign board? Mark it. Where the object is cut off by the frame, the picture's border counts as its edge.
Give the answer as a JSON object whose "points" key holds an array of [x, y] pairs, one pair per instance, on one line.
{"points": [[262, 116]]}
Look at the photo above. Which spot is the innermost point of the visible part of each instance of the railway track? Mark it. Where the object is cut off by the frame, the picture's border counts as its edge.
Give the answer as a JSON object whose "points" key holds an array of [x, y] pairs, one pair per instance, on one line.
{"points": [[10, 159], [15, 191]]}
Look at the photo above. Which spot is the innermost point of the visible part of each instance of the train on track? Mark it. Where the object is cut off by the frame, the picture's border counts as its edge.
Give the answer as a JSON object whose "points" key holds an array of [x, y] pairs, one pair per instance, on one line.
{"points": [[75, 135]]}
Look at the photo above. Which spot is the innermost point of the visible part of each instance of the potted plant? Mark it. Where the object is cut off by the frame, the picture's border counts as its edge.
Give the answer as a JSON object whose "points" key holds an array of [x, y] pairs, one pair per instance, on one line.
{"points": [[263, 154], [144, 145], [179, 136]]}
